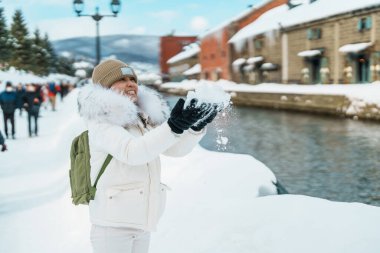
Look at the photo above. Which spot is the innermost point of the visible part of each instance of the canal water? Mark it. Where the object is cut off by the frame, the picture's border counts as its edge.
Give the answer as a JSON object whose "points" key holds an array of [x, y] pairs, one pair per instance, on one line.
{"points": [[320, 156]]}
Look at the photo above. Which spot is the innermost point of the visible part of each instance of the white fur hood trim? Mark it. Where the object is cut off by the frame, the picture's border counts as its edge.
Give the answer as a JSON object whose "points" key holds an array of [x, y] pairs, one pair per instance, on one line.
{"points": [[99, 104]]}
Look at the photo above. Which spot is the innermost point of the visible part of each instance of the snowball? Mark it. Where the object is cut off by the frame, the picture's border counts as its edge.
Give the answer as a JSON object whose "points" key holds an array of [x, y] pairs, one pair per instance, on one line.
{"points": [[209, 93]]}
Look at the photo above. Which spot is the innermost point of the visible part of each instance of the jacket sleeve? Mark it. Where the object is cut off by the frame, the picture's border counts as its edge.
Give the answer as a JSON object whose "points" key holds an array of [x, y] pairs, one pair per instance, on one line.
{"points": [[187, 141], [118, 142]]}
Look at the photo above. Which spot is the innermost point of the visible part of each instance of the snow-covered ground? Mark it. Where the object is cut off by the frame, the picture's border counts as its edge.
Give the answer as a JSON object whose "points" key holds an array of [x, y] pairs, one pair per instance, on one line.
{"points": [[212, 207]]}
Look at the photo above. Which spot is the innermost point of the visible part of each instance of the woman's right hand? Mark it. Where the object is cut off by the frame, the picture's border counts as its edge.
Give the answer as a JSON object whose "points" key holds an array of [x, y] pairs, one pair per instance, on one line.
{"points": [[182, 119]]}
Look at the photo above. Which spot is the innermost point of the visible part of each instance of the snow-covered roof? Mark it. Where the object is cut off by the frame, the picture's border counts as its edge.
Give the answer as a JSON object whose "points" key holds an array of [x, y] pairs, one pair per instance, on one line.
{"points": [[307, 12], [269, 66], [354, 48], [309, 53], [238, 62], [254, 60], [248, 67], [188, 51], [196, 69], [265, 22], [235, 18]]}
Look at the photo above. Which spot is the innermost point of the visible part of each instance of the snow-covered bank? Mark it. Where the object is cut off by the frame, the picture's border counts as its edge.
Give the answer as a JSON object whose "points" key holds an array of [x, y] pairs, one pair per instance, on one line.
{"points": [[212, 207], [281, 223], [363, 100], [366, 92]]}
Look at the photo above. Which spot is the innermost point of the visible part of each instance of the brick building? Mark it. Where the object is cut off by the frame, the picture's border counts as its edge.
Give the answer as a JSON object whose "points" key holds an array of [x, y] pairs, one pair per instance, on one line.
{"points": [[320, 41], [216, 53], [214, 56], [169, 47], [184, 61]]}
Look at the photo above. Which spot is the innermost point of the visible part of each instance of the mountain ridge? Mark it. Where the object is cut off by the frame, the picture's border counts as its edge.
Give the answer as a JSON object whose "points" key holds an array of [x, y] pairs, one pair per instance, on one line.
{"points": [[127, 48]]}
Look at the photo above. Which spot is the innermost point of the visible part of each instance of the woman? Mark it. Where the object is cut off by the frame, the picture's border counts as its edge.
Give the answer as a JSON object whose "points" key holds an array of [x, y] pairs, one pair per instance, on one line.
{"points": [[8, 106], [130, 123]]}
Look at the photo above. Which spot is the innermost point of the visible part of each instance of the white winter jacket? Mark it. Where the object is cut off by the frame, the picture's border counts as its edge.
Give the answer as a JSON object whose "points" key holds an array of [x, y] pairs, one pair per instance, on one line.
{"points": [[130, 192]]}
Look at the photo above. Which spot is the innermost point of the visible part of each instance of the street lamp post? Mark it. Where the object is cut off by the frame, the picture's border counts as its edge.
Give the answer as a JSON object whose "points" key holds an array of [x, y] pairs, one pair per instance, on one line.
{"points": [[115, 8]]}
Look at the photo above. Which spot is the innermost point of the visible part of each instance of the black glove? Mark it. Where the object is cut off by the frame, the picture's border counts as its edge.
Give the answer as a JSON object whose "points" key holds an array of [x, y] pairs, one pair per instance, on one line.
{"points": [[4, 148], [209, 114], [182, 119]]}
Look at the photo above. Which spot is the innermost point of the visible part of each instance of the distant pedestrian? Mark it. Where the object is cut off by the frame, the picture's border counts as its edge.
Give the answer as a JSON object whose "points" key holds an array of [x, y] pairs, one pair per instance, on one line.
{"points": [[2, 143], [61, 91], [52, 88], [20, 91], [66, 87], [45, 96], [32, 103], [8, 105]]}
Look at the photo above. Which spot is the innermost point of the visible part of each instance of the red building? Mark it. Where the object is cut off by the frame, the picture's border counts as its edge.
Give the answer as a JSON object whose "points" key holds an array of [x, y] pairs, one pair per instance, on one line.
{"points": [[215, 56], [170, 46]]}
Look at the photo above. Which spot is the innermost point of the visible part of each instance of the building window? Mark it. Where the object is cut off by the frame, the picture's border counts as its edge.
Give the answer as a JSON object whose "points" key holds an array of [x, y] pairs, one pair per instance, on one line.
{"points": [[259, 44], [364, 24], [314, 33]]}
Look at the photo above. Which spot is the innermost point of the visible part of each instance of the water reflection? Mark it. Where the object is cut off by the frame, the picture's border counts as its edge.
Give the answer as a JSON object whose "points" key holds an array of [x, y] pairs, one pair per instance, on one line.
{"points": [[320, 156]]}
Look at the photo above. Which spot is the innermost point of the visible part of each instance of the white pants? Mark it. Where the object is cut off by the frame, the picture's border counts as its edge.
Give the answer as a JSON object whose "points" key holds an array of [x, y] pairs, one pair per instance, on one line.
{"points": [[119, 240]]}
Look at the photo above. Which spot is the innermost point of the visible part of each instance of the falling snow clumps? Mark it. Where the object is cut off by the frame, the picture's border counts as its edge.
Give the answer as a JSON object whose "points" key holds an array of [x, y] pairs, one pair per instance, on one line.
{"points": [[214, 94]]}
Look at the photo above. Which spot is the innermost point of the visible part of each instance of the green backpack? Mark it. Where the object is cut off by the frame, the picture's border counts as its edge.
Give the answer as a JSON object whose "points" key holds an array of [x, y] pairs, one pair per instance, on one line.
{"points": [[82, 192]]}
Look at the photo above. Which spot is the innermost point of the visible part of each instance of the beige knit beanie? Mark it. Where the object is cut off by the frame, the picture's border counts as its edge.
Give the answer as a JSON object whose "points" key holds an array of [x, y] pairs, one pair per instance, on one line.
{"points": [[109, 71]]}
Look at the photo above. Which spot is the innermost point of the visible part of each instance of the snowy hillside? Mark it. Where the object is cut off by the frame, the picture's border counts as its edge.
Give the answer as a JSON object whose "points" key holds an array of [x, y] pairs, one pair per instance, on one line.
{"points": [[128, 48]]}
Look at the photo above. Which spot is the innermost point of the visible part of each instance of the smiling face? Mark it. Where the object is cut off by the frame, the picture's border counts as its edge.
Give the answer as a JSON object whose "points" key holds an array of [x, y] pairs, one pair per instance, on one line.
{"points": [[126, 87]]}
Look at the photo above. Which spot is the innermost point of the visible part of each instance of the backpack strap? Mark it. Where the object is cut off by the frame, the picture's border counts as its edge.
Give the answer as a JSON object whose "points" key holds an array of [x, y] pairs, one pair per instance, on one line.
{"points": [[105, 164]]}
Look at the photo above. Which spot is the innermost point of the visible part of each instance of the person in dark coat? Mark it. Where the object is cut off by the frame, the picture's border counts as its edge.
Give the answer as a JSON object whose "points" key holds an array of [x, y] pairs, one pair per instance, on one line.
{"points": [[32, 103], [20, 91], [8, 105], [61, 90], [2, 143]]}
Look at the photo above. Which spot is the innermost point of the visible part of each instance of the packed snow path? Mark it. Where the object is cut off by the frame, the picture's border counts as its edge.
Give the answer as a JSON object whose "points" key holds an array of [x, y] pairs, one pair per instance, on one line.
{"points": [[213, 205]]}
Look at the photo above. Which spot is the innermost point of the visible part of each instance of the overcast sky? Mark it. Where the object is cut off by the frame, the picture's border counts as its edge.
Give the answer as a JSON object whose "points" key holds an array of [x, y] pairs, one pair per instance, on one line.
{"points": [[151, 17]]}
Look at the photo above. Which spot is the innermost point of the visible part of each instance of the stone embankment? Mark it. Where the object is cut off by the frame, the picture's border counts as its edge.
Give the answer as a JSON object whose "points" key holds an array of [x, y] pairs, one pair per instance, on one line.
{"points": [[338, 105]]}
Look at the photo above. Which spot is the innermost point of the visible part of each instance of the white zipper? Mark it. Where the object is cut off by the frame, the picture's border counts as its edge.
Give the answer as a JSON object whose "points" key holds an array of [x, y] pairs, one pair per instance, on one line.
{"points": [[150, 180]]}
